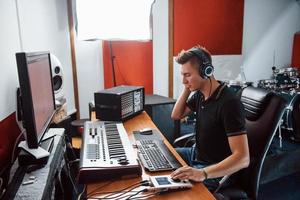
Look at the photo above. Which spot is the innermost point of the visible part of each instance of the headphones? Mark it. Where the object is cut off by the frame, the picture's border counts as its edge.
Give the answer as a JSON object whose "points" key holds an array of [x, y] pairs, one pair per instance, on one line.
{"points": [[206, 70]]}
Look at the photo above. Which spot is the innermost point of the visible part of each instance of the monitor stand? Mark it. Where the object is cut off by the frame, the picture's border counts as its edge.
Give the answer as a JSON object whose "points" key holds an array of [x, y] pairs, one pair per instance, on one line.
{"points": [[39, 156]]}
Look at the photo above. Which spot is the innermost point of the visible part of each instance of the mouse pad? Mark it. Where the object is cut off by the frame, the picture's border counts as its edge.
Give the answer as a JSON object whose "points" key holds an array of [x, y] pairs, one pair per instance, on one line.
{"points": [[154, 136]]}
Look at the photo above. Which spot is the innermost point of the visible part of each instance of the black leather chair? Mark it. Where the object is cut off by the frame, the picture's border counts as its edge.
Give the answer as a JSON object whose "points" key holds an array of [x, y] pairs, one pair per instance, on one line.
{"points": [[264, 110]]}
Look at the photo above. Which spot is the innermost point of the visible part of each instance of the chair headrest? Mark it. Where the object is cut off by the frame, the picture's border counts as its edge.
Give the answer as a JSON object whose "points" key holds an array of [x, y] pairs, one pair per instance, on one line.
{"points": [[255, 101]]}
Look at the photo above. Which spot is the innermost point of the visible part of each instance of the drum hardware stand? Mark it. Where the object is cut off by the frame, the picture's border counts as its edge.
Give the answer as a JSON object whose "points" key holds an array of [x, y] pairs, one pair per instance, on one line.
{"points": [[289, 108], [279, 131]]}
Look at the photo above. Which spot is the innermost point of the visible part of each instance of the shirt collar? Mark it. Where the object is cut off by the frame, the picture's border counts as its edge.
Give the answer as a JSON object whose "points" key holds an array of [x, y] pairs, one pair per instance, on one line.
{"points": [[217, 93]]}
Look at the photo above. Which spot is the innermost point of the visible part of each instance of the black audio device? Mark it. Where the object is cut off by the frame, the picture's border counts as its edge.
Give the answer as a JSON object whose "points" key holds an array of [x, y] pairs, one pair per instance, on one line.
{"points": [[119, 103]]}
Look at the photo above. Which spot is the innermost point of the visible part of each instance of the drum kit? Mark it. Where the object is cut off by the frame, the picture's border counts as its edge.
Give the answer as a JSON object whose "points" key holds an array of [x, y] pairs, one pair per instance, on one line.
{"points": [[283, 79], [286, 83]]}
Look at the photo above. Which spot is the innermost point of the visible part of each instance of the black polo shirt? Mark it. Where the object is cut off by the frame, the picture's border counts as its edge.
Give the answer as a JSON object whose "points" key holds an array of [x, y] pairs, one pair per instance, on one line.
{"points": [[220, 116]]}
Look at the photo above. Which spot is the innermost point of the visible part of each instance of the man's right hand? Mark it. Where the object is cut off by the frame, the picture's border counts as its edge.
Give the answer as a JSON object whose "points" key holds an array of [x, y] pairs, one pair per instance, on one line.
{"points": [[180, 109]]}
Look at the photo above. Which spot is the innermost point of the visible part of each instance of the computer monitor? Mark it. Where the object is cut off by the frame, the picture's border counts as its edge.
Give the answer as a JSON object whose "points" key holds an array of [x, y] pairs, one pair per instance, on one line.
{"points": [[37, 96]]}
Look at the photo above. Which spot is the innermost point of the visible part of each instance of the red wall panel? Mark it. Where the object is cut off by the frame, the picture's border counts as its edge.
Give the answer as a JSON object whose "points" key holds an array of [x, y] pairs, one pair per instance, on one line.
{"points": [[214, 24], [9, 131], [133, 64], [296, 51]]}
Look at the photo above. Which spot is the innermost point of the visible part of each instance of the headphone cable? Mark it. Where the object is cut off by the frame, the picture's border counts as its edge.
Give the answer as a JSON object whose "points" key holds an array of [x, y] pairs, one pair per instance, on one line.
{"points": [[209, 87]]}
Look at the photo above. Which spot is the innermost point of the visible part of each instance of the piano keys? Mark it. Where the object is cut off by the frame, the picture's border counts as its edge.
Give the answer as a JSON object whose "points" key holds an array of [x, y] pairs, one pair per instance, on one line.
{"points": [[106, 153]]}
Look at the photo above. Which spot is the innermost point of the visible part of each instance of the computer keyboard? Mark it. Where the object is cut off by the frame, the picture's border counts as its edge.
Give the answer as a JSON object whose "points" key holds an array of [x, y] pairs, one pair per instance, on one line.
{"points": [[155, 156]]}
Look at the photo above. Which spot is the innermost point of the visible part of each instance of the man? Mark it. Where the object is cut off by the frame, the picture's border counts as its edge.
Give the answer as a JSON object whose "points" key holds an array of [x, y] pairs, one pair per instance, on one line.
{"points": [[221, 142]]}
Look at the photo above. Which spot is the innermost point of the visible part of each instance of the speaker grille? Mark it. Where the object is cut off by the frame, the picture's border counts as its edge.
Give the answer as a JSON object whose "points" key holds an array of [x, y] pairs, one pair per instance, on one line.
{"points": [[57, 83]]}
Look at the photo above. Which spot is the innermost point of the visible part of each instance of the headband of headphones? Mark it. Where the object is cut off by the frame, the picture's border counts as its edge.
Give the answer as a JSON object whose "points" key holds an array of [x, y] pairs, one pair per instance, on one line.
{"points": [[206, 69]]}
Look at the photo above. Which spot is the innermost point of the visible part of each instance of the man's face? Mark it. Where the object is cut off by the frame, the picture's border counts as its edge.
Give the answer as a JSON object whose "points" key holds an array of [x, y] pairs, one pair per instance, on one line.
{"points": [[191, 78]]}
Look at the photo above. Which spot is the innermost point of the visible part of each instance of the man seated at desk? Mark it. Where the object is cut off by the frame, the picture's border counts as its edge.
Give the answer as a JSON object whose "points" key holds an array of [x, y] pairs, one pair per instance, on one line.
{"points": [[221, 142]]}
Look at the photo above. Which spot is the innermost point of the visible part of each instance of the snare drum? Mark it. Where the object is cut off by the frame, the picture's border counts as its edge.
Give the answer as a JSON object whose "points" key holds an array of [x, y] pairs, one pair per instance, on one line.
{"points": [[291, 116]]}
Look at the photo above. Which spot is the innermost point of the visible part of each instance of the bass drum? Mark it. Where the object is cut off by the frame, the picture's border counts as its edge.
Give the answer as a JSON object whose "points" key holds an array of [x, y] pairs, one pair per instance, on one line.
{"points": [[291, 116]]}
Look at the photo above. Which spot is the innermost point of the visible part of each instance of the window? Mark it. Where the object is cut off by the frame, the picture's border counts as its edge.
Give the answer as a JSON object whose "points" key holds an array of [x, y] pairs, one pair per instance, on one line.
{"points": [[114, 19]]}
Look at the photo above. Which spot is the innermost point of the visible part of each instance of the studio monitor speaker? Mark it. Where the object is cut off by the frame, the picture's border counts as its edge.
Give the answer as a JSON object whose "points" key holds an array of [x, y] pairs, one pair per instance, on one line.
{"points": [[57, 77]]}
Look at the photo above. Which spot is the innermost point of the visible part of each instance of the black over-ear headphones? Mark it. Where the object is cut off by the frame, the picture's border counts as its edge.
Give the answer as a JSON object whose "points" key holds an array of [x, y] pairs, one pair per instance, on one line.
{"points": [[206, 69]]}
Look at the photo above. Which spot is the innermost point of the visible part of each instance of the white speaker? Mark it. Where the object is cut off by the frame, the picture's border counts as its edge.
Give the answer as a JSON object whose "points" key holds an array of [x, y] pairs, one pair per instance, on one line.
{"points": [[57, 78]]}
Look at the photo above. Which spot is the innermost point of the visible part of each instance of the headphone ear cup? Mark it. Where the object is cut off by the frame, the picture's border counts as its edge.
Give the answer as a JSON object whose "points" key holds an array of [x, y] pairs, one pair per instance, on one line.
{"points": [[208, 70]]}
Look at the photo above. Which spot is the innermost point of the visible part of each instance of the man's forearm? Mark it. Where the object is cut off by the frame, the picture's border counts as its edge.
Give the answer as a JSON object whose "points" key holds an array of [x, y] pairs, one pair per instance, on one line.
{"points": [[228, 166], [237, 160]]}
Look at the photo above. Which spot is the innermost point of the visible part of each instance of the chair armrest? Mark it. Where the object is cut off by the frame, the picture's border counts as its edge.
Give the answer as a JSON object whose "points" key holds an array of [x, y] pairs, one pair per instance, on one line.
{"points": [[187, 140]]}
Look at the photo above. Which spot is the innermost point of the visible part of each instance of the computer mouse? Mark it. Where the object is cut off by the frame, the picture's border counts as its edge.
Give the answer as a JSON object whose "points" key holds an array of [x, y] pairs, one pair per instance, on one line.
{"points": [[146, 131]]}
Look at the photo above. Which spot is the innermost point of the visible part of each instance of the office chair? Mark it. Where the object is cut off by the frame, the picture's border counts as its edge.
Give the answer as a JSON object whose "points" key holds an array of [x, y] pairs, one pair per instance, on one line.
{"points": [[264, 111]]}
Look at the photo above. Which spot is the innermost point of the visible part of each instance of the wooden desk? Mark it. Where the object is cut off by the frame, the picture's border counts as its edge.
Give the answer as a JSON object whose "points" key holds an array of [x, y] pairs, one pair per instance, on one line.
{"points": [[199, 191]]}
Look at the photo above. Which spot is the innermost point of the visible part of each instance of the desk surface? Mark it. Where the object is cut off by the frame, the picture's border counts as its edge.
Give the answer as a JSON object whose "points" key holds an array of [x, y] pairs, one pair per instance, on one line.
{"points": [[199, 191]]}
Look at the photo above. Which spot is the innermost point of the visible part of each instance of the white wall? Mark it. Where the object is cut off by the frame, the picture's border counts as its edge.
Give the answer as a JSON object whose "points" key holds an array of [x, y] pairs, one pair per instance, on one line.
{"points": [[160, 48], [269, 28], [43, 27], [9, 45], [90, 77]]}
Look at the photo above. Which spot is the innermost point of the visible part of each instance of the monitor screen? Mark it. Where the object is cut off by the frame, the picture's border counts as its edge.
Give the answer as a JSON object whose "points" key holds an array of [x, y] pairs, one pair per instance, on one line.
{"points": [[37, 96]]}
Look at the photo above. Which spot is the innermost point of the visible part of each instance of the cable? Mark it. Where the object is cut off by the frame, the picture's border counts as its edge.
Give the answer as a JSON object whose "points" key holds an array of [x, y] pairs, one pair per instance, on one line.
{"points": [[122, 191], [19, 123], [15, 146], [209, 87], [91, 193], [21, 128], [151, 189], [119, 194], [145, 196], [68, 166], [143, 190], [79, 196], [160, 191], [60, 183]]}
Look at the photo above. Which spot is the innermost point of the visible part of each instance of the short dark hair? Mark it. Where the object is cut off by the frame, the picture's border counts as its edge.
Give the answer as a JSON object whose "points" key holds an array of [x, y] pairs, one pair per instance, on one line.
{"points": [[185, 56]]}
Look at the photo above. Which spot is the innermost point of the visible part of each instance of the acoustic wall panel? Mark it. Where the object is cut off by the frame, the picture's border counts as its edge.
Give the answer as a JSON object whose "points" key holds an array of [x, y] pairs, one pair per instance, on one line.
{"points": [[216, 25], [133, 61]]}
